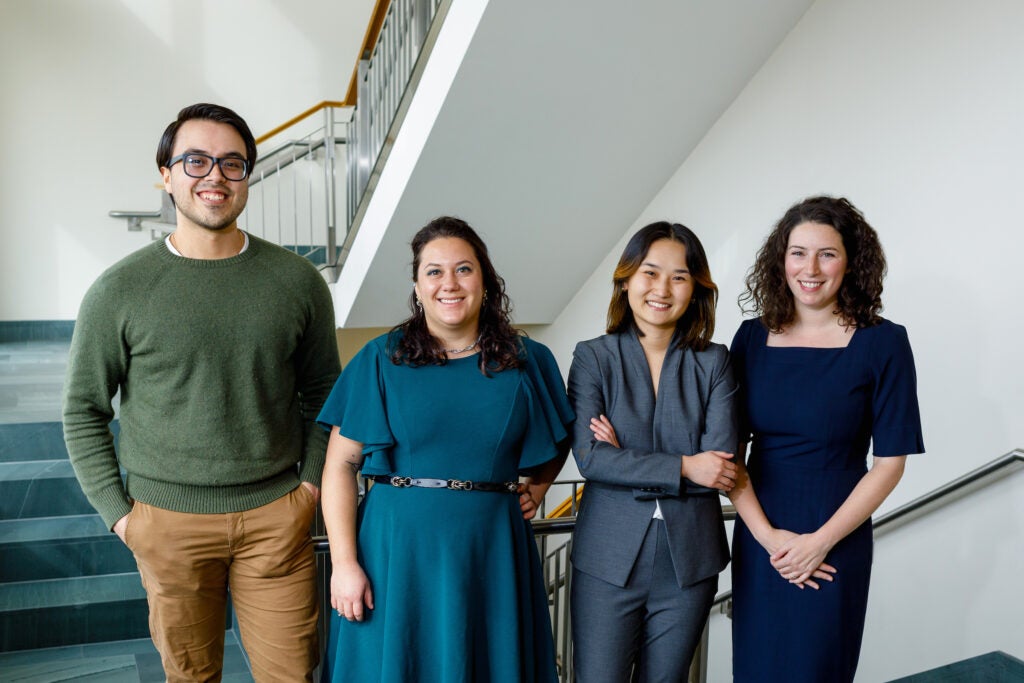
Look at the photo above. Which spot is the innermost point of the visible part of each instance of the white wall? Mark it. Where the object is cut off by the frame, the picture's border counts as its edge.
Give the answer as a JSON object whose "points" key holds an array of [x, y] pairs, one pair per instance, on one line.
{"points": [[913, 110], [88, 87]]}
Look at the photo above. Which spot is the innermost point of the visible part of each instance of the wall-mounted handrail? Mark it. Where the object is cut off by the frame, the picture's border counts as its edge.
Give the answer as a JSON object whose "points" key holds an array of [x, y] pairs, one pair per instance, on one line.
{"points": [[947, 493], [943, 495]]}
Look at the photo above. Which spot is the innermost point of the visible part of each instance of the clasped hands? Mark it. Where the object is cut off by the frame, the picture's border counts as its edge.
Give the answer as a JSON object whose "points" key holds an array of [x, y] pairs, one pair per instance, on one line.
{"points": [[799, 558]]}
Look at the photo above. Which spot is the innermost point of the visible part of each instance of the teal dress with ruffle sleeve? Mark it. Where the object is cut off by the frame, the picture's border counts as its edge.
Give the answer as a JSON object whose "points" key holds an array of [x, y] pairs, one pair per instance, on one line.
{"points": [[456, 576]]}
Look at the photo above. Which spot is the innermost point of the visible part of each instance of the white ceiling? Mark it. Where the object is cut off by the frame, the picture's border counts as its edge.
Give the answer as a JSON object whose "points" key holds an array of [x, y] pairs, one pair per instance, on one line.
{"points": [[563, 122]]}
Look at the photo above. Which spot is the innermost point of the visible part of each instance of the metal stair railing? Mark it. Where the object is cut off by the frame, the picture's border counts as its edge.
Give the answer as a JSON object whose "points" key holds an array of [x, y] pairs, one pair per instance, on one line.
{"points": [[293, 191], [383, 84]]}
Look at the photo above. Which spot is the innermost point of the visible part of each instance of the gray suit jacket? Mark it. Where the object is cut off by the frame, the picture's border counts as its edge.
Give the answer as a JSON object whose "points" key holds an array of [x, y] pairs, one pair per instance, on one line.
{"points": [[695, 411]]}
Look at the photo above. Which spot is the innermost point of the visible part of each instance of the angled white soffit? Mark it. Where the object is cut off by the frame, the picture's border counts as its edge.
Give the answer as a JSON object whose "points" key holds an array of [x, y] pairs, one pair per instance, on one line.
{"points": [[550, 133]]}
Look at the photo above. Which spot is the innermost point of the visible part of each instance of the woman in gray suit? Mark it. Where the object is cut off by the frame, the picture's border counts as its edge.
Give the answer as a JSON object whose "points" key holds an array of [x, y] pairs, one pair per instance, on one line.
{"points": [[654, 438]]}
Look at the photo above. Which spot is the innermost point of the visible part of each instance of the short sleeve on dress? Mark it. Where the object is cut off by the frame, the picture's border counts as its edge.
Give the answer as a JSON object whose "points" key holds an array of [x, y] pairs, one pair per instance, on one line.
{"points": [[550, 414], [356, 405], [896, 428]]}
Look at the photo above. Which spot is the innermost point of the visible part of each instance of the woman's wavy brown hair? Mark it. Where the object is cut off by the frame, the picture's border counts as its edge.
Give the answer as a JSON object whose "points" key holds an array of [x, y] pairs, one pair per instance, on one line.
{"points": [[697, 324], [500, 347], [859, 300]]}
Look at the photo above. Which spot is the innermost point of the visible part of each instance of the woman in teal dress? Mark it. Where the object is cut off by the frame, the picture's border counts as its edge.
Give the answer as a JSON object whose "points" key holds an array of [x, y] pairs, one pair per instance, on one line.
{"points": [[436, 576]]}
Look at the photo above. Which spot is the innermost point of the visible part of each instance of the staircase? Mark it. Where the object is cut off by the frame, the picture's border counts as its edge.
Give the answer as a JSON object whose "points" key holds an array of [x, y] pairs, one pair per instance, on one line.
{"points": [[65, 578], [72, 607], [993, 667]]}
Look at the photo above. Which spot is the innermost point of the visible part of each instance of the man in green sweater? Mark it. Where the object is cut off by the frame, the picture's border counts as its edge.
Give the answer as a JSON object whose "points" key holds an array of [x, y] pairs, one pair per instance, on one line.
{"points": [[222, 347]]}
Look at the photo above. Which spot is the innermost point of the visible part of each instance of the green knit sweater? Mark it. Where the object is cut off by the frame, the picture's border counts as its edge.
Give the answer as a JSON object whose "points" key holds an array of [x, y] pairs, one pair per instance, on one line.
{"points": [[222, 366]]}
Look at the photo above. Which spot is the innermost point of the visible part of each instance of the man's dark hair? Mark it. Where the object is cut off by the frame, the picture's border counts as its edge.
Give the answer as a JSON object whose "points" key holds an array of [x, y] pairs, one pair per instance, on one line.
{"points": [[207, 112]]}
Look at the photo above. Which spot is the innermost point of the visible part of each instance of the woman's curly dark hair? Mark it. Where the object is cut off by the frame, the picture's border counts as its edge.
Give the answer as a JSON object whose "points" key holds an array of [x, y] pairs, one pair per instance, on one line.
{"points": [[697, 324], [412, 343], [859, 300]]}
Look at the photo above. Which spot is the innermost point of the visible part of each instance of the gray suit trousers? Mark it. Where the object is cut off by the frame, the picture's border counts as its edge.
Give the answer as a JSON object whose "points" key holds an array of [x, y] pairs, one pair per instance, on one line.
{"points": [[646, 631]]}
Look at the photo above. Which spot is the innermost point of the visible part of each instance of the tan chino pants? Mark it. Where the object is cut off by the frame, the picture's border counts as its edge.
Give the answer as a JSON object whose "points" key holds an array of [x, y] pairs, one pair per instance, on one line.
{"points": [[265, 556]]}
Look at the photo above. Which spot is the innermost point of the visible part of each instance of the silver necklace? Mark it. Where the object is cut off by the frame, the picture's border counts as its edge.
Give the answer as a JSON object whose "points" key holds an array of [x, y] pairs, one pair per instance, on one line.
{"points": [[463, 350]]}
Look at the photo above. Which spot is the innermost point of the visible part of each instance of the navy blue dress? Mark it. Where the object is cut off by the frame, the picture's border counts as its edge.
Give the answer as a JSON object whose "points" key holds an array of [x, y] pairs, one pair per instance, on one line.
{"points": [[812, 414], [457, 585]]}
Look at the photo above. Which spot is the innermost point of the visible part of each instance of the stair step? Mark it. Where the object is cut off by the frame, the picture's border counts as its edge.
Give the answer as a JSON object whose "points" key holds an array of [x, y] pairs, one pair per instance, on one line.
{"points": [[78, 591], [32, 441], [64, 528], [106, 662], [30, 401], [60, 547], [87, 609], [992, 666], [40, 488], [118, 669]]}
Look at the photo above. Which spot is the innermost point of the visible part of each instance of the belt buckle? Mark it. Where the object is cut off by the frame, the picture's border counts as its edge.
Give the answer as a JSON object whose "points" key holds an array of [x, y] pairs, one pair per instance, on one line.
{"points": [[459, 485], [401, 482]]}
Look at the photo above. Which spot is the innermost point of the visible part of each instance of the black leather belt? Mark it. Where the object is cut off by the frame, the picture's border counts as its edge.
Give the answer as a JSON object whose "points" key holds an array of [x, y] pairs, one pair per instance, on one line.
{"points": [[451, 484]]}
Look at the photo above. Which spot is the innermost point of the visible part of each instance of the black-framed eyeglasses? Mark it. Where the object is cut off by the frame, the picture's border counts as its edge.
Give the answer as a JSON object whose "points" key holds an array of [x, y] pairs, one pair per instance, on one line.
{"points": [[198, 165]]}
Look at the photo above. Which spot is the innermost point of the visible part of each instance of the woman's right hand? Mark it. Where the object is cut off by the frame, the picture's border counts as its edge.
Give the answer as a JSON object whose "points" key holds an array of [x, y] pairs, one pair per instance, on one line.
{"points": [[350, 591], [713, 469]]}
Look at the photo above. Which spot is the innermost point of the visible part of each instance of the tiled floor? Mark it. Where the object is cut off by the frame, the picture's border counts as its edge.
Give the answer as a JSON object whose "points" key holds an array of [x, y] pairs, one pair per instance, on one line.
{"points": [[31, 377]]}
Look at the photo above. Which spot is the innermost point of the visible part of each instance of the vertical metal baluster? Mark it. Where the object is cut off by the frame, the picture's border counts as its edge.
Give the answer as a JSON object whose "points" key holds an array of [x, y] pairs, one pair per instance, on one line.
{"points": [[567, 671], [363, 157], [329, 178], [294, 213]]}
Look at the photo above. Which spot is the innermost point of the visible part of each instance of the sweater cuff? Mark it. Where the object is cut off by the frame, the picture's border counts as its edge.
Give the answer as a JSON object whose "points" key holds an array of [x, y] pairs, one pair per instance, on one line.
{"points": [[112, 504], [315, 455]]}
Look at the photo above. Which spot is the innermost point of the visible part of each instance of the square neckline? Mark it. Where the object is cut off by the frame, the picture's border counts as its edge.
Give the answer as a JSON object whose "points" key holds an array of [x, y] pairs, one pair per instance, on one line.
{"points": [[849, 343]]}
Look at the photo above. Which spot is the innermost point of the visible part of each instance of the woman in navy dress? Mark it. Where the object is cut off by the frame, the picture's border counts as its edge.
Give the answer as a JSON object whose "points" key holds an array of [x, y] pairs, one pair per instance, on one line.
{"points": [[650, 541], [822, 376], [437, 576]]}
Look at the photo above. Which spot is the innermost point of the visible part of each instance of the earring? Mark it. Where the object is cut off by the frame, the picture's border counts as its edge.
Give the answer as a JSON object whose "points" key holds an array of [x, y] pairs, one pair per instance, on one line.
{"points": [[419, 304]]}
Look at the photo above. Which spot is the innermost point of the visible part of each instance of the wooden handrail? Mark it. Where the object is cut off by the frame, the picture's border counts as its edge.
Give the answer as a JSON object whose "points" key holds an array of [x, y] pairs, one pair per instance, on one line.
{"points": [[565, 508], [380, 10], [292, 121]]}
